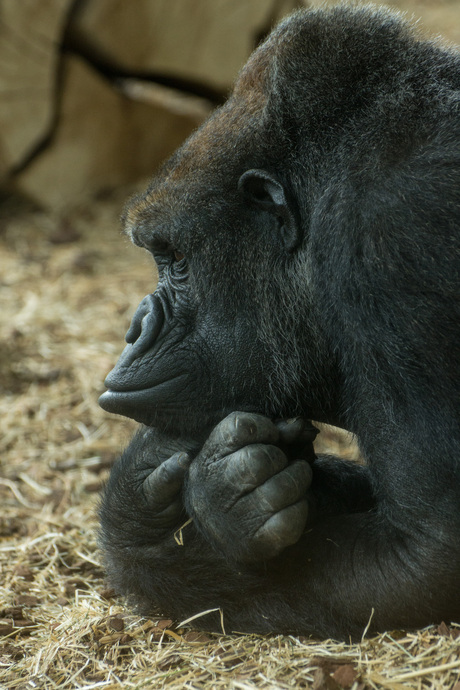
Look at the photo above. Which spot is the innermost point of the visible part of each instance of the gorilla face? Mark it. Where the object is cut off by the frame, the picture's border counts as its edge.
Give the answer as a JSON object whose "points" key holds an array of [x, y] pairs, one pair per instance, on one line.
{"points": [[232, 323], [186, 362], [210, 339]]}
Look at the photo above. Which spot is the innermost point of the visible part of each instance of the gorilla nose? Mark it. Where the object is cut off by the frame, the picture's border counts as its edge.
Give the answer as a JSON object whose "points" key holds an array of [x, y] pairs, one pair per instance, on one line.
{"points": [[144, 330], [146, 325]]}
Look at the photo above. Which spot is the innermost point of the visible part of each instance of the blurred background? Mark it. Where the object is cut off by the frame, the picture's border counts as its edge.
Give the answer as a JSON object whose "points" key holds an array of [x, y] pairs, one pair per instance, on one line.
{"points": [[94, 95]]}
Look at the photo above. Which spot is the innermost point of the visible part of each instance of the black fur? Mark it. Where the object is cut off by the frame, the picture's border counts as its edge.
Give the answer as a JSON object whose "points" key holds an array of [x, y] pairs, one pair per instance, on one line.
{"points": [[318, 216]]}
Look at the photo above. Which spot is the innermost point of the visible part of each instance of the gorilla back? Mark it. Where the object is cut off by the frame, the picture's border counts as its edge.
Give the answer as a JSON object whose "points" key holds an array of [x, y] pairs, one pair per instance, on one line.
{"points": [[307, 242]]}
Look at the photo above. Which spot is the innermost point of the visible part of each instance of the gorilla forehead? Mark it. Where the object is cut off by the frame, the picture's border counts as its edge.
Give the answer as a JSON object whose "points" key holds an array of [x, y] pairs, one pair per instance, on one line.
{"points": [[281, 108]]}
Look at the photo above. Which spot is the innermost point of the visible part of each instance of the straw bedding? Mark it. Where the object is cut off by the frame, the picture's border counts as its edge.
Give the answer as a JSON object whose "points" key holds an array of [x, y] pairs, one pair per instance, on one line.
{"points": [[68, 286]]}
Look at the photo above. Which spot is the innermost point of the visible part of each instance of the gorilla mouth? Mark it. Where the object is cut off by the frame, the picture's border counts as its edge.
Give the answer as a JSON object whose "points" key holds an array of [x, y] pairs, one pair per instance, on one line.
{"points": [[123, 403], [134, 402]]}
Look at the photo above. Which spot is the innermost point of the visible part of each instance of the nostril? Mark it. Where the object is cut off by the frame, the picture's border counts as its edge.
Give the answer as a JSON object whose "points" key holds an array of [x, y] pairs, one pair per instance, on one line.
{"points": [[133, 332], [146, 325], [135, 328]]}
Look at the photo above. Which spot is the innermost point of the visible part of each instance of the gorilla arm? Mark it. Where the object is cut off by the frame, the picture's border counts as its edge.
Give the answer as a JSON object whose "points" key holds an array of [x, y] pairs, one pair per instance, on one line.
{"points": [[142, 510], [246, 555], [354, 562]]}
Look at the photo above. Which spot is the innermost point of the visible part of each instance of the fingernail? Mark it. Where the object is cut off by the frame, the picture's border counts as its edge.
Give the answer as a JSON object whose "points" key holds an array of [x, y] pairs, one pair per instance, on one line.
{"points": [[183, 460]]}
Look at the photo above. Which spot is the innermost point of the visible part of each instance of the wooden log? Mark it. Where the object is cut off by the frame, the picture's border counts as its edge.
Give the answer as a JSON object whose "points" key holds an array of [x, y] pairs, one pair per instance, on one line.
{"points": [[30, 33], [103, 139], [206, 41]]}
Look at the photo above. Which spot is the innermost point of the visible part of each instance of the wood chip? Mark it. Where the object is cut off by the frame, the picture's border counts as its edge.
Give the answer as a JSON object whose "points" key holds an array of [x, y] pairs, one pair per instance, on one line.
{"points": [[345, 675]]}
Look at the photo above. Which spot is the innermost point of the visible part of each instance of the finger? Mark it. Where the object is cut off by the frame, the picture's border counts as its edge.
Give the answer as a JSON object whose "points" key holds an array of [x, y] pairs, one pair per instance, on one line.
{"points": [[280, 530], [296, 437], [285, 488], [164, 483], [296, 430], [251, 466], [237, 430]]}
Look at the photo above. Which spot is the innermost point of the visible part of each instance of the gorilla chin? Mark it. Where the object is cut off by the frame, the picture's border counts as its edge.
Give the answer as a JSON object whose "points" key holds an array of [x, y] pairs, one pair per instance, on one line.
{"points": [[163, 407]]}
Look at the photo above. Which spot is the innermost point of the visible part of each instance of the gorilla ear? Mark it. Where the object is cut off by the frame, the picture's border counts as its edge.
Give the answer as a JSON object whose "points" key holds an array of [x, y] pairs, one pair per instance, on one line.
{"points": [[265, 192]]}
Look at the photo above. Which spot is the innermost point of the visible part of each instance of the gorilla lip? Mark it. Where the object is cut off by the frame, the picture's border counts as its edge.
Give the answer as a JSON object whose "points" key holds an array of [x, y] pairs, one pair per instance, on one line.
{"points": [[123, 401]]}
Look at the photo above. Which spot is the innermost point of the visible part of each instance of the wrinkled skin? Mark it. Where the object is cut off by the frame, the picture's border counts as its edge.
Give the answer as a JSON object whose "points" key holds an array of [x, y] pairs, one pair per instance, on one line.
{"points": [[307, 244]]}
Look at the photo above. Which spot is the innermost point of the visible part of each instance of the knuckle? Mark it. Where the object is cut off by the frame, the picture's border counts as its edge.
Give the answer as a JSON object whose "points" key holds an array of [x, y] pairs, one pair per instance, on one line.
{"points": [[289, 486], [229, 429], [173, 469], [182, 459], [243, 428], [282, 490], [285, 527], [266, 454], [279, 491], [262, 460], [245, 456], [302, 472], [270, 539], [246, 427], [298, 514], [164, 473]]}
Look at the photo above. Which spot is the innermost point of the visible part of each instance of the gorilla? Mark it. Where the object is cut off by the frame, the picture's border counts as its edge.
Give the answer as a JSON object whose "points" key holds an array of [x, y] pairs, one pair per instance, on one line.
{"points": [[307, 245]]}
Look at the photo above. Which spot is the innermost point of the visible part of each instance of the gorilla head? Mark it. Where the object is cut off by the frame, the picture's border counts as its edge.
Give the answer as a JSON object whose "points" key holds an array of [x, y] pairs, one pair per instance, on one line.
{"points": [[287, 227], [231, 314]]}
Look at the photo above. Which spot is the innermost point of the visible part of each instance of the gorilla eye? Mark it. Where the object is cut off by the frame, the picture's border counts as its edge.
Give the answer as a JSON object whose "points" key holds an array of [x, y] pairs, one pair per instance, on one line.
{"points": [[178, 256]]}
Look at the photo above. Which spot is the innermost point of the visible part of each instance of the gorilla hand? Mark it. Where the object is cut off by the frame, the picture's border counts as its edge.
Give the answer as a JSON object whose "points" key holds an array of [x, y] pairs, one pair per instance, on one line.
{"points": [[246, 497], [143, 496], [162, 490]]}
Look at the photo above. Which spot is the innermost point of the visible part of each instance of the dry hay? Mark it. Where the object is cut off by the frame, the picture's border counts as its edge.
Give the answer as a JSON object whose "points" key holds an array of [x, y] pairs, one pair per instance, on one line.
{"points": [[68, 286]]}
